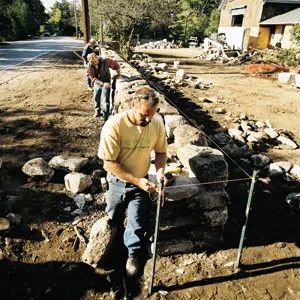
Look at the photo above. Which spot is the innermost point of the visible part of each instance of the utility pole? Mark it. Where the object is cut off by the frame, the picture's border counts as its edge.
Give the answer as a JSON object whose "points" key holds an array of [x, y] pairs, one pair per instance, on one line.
{"points": [[86, 21]]}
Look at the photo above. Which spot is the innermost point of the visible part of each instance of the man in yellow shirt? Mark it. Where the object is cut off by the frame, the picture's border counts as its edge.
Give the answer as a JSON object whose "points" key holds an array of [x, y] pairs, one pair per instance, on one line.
{"points": [[126, 142]]}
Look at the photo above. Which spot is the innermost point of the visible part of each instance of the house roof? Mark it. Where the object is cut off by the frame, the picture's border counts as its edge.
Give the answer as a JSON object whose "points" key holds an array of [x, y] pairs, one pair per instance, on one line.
{"points": [[223, 2], [291, 17], [282, 1]]}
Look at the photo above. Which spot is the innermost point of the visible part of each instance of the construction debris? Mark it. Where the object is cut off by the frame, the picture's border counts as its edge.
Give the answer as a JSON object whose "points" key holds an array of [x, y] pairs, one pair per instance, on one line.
{"points": [[163, 44]]}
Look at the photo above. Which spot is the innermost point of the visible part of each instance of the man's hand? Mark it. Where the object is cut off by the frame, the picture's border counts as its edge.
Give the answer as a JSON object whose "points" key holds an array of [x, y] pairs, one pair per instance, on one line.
{"points": [[107, 85], [146, 185]]}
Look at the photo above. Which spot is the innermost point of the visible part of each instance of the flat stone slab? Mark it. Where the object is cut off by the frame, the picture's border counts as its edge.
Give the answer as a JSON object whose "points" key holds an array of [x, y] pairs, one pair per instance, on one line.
{"points": [[182, 188], [71, 163]]}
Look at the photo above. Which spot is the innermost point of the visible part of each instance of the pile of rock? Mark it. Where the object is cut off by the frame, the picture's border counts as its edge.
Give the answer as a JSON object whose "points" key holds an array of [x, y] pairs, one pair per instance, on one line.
{"points": [[75, 182], [163, 44], [173, 80], [246, 140], [222, 53]]}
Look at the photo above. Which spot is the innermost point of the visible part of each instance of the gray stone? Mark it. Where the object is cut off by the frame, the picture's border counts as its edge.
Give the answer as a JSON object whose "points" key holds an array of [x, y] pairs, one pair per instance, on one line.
{"points": [[293, 200], [182, 188], [245, 127], [220, 110], [233, 132], [71, 163], [172, 150], [287, 141], [269, 124], [295, 171], [209, 199], [260, 124], [175, 246], [215, 217], [205, 237], [4, 224], [207, 168], [14, 218], [221, 138], [284, 165], [275, 170], [167, 109], [256, 136], [38, 167], [77, 182], [260, 160], [101, 241], [180, 75], [172, 122], [187, 134], [181, 221], [271, 133]]}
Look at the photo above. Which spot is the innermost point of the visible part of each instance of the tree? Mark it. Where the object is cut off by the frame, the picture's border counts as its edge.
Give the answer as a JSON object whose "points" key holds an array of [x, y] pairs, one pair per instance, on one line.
{"points": [[60, 18], [192, 18], [213, 23], [122, 18], [19, 18], [296, 34]]}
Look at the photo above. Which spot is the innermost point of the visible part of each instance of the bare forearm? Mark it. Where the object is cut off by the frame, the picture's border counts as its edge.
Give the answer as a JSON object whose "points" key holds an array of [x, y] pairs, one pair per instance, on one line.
{"points": [[120, 171], [160, 163]]}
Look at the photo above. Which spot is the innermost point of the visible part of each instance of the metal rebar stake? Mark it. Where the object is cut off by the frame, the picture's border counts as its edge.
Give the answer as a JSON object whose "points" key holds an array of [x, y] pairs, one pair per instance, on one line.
{"points": [[157, 222], [239, 254]]}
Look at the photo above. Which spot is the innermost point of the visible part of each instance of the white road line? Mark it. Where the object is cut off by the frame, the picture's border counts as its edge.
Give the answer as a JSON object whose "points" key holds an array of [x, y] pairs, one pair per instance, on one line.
{"points": [[32, 58]]}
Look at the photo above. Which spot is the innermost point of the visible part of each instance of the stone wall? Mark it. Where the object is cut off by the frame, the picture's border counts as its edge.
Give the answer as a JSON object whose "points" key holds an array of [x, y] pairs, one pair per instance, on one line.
{"points": [[194, 215]]}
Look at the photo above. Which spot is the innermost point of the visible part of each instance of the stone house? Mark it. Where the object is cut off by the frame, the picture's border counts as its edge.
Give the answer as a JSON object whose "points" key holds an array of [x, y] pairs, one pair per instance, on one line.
{"points": [[258, 23]]}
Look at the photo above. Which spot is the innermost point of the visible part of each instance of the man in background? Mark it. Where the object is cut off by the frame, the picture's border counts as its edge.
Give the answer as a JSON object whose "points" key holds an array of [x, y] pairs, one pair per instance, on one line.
{"points": [[99, 73], [88, 49]]}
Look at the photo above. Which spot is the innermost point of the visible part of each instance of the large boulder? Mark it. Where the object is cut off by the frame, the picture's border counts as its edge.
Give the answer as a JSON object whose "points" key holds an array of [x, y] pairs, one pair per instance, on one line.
{"points": [[209, 199], [71, 163], [206, 163], [38, 167], [182, 188], [172, 122], [101, 242], [77, 182], [187, 134]]}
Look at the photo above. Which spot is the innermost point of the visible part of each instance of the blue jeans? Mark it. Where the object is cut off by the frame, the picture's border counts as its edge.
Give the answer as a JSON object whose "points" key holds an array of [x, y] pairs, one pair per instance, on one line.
{"points": [[122, 195], [89, 82], [100, 92]]}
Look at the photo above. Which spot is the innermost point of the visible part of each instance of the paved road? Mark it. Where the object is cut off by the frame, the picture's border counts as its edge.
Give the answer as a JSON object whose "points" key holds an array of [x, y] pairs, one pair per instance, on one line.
{"points": [[15, 54]]}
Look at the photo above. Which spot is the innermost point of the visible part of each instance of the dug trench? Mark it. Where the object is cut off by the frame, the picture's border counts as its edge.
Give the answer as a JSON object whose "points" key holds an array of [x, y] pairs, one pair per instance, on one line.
{"points": [[41, 256]]}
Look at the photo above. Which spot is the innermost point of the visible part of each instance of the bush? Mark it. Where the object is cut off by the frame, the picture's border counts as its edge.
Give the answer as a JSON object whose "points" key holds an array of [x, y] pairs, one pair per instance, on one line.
{"points": [[296, 34]]}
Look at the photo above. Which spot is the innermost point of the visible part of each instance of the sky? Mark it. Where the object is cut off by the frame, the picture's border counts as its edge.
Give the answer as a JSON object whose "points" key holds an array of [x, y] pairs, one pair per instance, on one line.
{"points": [[48, 3]]}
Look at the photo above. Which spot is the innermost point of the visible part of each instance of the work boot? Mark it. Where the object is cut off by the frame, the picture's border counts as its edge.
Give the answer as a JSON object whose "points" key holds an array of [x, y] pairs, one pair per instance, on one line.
{"points": [[132, 266]]}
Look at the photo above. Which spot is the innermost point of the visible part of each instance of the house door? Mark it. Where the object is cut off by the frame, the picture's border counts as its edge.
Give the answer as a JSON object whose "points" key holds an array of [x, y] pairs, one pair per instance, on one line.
{"points": [[263, 37]]}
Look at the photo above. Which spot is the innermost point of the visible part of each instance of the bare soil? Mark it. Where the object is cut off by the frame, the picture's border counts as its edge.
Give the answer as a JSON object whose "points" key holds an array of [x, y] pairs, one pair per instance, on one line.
{"points": [[45, 110]]}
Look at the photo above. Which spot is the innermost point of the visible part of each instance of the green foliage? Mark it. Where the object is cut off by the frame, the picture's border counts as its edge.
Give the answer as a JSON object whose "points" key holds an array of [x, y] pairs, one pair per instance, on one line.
{"points": [[192, 19], [289, 57], [296, 34], [121, 19], [19, 18], [60, 18], [213, 23]]}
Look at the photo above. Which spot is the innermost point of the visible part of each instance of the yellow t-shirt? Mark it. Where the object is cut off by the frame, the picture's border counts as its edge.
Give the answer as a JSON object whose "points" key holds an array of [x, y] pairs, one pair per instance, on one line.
{"points": [[130, 145]]}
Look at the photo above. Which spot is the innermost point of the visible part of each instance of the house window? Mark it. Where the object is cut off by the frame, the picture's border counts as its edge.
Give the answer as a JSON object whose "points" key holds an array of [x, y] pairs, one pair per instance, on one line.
{"points": [[237, 20], [238, 16]]}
